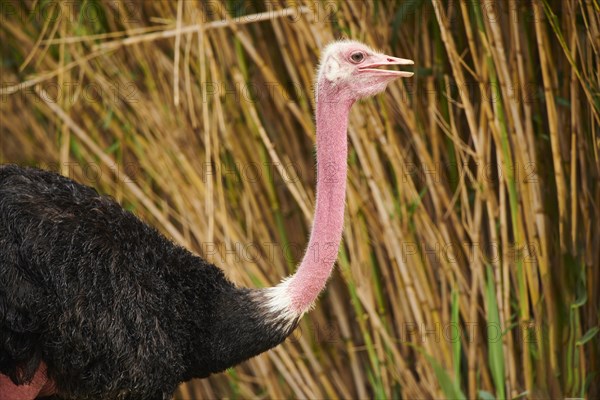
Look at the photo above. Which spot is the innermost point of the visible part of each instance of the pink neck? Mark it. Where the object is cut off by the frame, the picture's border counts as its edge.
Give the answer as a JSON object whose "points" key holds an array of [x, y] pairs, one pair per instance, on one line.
{"points": [[326, 235]]}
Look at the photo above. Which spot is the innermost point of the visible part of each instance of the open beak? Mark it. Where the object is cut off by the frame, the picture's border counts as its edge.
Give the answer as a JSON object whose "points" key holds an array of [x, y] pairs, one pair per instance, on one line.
{"points": [[381, 60]]}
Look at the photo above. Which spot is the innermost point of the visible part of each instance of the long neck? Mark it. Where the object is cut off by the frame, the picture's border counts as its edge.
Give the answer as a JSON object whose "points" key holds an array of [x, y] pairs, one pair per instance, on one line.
{"points": [[332, 153], [247, 322]]}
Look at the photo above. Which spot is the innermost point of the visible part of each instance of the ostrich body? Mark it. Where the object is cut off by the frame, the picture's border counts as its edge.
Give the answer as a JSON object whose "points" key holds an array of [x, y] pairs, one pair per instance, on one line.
{"points": [[96, 304]]}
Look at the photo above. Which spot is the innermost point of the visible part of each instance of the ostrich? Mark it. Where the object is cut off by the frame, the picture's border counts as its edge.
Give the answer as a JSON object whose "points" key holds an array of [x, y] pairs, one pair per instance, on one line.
{"points": [[96, 304]]}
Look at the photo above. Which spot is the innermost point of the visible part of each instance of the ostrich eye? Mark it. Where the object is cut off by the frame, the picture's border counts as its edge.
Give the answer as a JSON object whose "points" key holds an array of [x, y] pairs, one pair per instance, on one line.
{"points": [[357, 57]]}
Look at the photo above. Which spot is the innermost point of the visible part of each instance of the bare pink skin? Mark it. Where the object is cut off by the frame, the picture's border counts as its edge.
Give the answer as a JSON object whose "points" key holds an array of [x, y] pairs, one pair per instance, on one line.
{"points": [[340, 83], [336, 93], [326, 234], [38, 387]]}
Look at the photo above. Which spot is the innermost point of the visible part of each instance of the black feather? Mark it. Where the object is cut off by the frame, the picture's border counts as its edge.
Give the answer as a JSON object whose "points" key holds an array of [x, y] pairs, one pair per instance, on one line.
{"points": [[113, 308]]}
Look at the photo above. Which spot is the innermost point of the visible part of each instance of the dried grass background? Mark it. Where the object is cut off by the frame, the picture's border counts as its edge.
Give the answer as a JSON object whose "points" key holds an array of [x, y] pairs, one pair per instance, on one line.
{"points": [[470, 265]]}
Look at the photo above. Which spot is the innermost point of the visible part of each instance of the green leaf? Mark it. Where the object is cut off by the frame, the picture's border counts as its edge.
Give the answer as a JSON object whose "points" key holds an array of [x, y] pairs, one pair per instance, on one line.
{"points": [[483, 395], [113, 147], [448, 385], [589, 335], [406, 10], [495, 354], [581, 300], [456, 344]]}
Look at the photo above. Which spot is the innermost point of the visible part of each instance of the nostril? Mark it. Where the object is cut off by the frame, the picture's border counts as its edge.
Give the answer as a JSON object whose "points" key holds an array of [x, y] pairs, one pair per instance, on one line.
{"points": [[390, 59]]}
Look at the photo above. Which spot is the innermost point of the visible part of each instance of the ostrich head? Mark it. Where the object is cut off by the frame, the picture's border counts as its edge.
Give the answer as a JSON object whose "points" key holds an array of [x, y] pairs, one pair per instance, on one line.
{"points": [[351, 70]]}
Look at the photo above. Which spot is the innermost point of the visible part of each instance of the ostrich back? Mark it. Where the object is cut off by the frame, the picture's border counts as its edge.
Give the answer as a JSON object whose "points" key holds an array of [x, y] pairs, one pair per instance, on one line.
{"points": [[110, 305]]}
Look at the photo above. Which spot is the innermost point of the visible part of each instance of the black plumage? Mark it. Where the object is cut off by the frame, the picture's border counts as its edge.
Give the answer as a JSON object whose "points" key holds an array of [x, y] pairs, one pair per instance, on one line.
{"points": [[113, 308]]}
